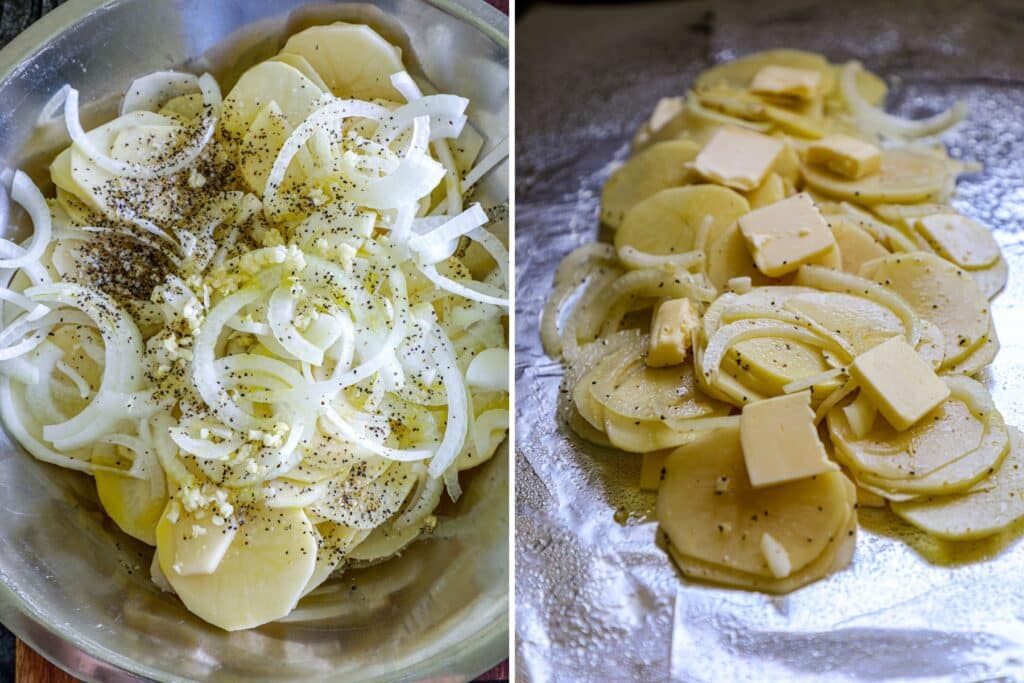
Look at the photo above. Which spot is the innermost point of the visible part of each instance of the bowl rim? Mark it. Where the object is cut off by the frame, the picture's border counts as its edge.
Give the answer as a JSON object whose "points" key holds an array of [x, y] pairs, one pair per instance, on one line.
{"points": [[79, 657]]}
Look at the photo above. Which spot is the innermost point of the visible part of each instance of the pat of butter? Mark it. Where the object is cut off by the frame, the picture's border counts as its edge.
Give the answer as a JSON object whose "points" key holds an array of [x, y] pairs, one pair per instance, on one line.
{"points": [[785, 235], [738, 158], [845, 156], [787, 81], [962, 240], [671, 331], [900, 383], [861, 415], [780, 441]]}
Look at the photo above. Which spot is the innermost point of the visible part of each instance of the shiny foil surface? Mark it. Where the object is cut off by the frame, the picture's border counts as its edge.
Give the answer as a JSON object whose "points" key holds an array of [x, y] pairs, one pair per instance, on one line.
{"points": [[596, 599]]}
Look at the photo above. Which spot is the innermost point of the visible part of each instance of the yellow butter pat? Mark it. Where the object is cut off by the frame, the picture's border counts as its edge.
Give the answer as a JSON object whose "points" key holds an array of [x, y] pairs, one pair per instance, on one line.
{"points": [[845, 156], [901, 384], [780, 441], [738, 158], [671, 331], [786, 81], [962, 240], [785, 235]]}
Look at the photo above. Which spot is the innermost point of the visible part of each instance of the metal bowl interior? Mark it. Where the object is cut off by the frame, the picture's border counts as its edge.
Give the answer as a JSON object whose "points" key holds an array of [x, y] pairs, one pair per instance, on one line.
{"points": [[76, 588]]}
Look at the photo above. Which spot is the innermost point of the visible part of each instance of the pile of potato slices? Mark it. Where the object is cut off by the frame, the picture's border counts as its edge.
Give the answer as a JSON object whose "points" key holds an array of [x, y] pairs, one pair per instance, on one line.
{"points": [[772, 228]]}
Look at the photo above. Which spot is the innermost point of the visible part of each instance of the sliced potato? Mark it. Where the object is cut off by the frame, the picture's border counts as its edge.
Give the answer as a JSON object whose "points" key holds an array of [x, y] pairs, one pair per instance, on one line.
{"points": [[856, 245], [835, 557], [652, 469], [859, 321], [260, 146], [711, 513], [660, 166], [267, 82], [354, 60], [281, 543], [135, 505], [335, 542], [991, 280], [366, 505], [906, 176], [948, 433], [671, 393], [980, 357], [643, 436], [772, 190], [940, 293], [668, 222], [974, 514], [961, 240]]}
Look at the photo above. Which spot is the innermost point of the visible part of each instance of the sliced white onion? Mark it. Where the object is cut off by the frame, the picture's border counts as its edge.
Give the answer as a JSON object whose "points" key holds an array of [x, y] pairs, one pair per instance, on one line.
{"points": [[486, 165], [433, 246], [183, 158], [151, 91], [876, 119], [25, 192], [349, 432]]}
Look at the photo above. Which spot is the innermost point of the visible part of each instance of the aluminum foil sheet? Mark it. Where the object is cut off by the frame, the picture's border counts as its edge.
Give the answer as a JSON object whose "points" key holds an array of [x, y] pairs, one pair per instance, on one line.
{"points": [[596, 600]]}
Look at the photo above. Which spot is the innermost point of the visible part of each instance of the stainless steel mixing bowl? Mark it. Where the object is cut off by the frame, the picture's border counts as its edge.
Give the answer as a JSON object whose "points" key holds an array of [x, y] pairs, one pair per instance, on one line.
{"points": [[77, 589]]}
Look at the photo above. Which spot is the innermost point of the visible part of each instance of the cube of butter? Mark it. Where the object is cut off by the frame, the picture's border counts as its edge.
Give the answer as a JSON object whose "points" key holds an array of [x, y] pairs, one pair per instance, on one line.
{"points": [[672, 327], [785, 235], [900, 383], [780, 441], [845, 156], [738, 158], [787, 81]]}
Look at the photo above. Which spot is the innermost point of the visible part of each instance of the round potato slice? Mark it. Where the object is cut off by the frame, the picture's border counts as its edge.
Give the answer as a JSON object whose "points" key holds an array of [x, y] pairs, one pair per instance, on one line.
{"points": [[361, 504], [643, 436], [267, 82], [862, 323], [134, 504], [979, 358], [772, 190], [668, 221], [939, 292], [775, 362], [711, 513], [671, 393], [354, 60], [835, 557], [660, 166], [991, 280], [856, 245], [963, 474], [597, 385], [758, 302], [906, 176], [948, 433], [961, 240], [974, 514], [259, 579]]}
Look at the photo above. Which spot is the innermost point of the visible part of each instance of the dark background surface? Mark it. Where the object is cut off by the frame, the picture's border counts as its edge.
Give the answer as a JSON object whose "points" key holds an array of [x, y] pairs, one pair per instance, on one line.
{"points": [[15, 17]]}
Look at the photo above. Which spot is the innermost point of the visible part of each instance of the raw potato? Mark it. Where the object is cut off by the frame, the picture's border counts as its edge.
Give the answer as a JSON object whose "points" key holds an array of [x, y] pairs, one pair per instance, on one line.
{"points": [[645, 393], [709, 511], [940, 293], [282, 544], [658, 167], [856, 245], [336, 540], [668, 221], [772, 190], [980, 357], [267, 82], [974, 514], [354, 60], [860, 322], [835, 558], [946, 434], [131, 503], [991, 280], [906, 176]]}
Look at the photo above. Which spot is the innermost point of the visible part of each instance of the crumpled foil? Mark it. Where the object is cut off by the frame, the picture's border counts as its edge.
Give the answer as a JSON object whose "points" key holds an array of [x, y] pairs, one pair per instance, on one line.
{"points": [[596, 600]]}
